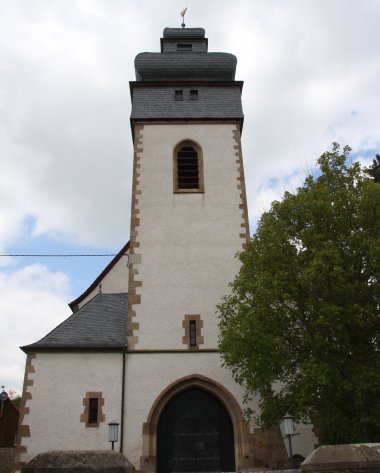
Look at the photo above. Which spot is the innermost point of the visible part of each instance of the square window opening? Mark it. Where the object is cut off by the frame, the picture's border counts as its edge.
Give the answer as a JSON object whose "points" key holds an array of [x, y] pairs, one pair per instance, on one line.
{"points": [[193, 95], [178, 95], [184, 47]]}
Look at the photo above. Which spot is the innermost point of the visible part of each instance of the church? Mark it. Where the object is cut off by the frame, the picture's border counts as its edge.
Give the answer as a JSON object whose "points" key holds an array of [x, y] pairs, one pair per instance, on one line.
{"points": [[141, 347]]}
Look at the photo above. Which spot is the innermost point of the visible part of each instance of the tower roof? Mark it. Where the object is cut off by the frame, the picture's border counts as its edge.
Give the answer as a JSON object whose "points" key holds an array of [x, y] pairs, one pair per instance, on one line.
{"points": [[192, 66], [184, 56], [185, 82], [194, 36], [184, 33]]}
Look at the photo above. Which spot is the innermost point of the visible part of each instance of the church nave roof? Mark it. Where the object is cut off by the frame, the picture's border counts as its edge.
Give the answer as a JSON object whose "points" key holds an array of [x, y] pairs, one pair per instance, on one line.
{"points": [[99, 324]]}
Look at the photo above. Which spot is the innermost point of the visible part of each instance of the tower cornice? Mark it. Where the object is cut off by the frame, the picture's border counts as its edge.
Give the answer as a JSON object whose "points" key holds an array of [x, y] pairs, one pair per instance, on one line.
{"points": [[194, 121], [185, 83]]}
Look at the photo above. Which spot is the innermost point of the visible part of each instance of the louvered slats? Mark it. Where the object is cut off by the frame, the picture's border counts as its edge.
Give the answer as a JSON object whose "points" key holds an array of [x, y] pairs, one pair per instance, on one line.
{"points": [[187, 168]]}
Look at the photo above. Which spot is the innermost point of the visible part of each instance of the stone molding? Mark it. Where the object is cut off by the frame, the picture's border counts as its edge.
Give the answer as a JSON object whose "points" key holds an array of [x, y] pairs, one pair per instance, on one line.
{"points": [[24, 429], [86, 402], [244, 234], [186, 327], [243, 459], [135, 256]]}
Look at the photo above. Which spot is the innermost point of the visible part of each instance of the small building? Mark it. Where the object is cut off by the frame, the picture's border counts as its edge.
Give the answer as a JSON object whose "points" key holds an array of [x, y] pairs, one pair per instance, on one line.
{"points": [[9, 418], [141, 346]]}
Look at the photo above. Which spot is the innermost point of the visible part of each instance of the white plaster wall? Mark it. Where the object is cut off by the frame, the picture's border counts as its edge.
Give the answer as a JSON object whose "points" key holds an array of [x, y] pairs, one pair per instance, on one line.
{"points": [[187, 244], [148, 374], [61, 381], [114, 282], [187, 241]]}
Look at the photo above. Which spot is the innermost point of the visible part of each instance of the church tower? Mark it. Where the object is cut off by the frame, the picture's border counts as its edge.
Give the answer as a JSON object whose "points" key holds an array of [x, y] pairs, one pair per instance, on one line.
{"points": [[189, 219], [141, 346], [189, 210]]}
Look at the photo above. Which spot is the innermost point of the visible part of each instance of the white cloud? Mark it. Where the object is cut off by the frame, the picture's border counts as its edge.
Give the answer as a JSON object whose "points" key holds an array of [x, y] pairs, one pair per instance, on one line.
{"points": [[311, 76], [307, 66], [65, 117], [65, 101], [32, 302]]}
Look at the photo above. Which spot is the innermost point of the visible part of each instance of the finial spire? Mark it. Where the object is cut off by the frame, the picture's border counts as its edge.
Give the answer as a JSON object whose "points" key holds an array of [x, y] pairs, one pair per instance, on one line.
{"points": [[183, 13]]}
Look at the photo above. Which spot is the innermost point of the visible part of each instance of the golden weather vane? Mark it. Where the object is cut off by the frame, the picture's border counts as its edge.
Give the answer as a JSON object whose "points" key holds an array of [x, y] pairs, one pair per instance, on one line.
{"points": [[183, 13]]}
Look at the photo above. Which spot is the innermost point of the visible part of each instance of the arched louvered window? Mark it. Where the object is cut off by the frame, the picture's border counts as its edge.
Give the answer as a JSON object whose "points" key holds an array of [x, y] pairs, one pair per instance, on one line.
{"points": [[188, 167]]}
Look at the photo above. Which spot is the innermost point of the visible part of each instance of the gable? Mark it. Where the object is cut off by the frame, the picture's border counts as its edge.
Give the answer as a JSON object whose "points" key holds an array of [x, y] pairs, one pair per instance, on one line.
{"points": [[113, 279]]}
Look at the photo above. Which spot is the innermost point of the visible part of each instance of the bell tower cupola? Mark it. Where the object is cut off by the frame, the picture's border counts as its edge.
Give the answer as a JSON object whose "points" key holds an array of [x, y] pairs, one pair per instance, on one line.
{"points": [[184, 81]]}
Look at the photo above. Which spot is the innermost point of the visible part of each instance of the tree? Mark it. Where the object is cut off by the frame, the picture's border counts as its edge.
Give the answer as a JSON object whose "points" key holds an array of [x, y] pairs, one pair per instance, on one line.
{"points": [[17, 401], [374, 170], [301, 327], [15, 397]]}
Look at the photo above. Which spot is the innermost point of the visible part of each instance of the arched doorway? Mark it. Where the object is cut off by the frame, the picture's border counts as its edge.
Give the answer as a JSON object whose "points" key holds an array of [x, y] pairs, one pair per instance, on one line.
{"points": [[194, 434]]}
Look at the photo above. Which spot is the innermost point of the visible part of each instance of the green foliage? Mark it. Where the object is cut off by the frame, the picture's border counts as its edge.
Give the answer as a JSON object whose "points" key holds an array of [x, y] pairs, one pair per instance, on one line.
{"points": [[301, 327], [17, 401], [374, 170]]}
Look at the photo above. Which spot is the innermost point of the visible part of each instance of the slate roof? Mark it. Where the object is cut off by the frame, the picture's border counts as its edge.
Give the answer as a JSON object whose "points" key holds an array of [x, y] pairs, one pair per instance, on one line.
{"points": [[185, 66], [211, 75], [184, 33], [100, 324], [213, 103]]}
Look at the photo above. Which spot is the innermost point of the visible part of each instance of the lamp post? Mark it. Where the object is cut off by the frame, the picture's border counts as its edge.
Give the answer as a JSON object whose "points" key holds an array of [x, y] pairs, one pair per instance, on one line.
{"points": [[289, 432], [113, 432], [3, 398]]}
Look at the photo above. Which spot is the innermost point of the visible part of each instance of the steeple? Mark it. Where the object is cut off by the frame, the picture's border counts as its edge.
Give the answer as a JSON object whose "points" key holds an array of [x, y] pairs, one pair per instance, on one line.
{"points": [[185, 82]]}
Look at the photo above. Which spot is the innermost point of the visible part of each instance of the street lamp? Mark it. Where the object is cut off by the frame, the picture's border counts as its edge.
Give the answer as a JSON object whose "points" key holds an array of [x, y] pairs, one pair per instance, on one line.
{"points": [[289, 432], [3, 398], [113, 432]]}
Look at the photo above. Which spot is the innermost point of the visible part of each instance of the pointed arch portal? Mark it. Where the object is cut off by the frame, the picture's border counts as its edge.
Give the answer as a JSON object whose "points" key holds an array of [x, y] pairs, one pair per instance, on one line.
{"points": [[195, 434], [179, 412]]}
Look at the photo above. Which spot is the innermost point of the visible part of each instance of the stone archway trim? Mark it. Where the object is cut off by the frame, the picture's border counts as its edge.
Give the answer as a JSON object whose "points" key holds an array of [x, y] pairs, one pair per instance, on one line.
{"points": [[240, 427]]}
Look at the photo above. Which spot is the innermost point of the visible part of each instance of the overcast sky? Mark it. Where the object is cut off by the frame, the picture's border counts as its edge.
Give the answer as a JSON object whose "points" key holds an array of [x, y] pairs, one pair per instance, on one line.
{"points": [[311, 72]]}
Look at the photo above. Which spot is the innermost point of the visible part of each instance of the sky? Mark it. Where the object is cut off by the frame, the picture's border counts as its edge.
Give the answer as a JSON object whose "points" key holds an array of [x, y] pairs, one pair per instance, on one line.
{"points": [[311, 72]]}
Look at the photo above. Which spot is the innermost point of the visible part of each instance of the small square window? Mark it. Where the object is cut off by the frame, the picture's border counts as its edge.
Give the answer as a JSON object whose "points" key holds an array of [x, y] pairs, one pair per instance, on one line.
{"points": [[193, 95], [184, 47], [178, 95]]}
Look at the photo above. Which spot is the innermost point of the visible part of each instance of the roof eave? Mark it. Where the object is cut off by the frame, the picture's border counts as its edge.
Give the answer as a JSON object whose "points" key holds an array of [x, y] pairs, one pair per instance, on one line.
{"points": [[72, 348], [185, 83], [74, 304], [134, 121]]}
